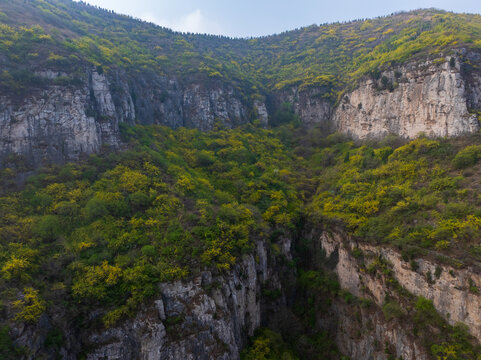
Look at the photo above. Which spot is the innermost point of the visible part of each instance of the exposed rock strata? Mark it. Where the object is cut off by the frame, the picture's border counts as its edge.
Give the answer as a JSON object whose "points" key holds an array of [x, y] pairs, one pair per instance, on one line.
{"points": [[58, 123], [308, 104], [364, 334], [208, 317], [449, 291], [415, 98]]}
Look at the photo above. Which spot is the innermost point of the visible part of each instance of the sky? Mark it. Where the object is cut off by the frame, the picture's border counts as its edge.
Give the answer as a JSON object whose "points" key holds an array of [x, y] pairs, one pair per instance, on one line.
{"points": [[245, 18]]}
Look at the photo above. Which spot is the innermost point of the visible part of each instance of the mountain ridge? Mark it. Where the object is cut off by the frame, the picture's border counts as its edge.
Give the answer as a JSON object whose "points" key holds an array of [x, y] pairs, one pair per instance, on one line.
{"points": [[122, 71], [186, 190]]}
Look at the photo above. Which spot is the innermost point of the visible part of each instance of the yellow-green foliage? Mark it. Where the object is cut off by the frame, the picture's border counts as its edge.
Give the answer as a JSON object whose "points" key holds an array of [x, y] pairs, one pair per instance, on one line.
{"points": [[467, 156], [103, 233], [120, 224], [328, 57], [268, 345], [411, 197], [30, 306]]}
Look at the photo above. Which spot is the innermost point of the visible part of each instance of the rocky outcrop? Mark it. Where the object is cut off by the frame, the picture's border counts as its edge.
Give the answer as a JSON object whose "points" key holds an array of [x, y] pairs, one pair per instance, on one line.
{"points": [[430, 97], [52, 126], [309, 104], [209, 316], [261, 112], [204, 318], [453, 291], [60, 122], [57, 123], [364, 334], [168, 101], [204, 107]]}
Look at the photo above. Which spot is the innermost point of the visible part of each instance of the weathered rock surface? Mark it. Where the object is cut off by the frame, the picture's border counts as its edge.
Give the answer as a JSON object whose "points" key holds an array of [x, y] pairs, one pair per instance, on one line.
{"points": [[208, 317], [449, 289], [51, 126], [201, 319], [308, 104], [364, 334], [415, 98], [211, 316], [58, 123]]}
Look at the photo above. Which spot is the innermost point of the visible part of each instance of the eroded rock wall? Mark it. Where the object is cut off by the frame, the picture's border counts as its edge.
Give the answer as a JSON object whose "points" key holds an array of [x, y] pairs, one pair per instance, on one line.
{"points": [[209, 316], [309, 104], [364, 334], [431, 97], [204, 318], [60, 122], [448, 287]]}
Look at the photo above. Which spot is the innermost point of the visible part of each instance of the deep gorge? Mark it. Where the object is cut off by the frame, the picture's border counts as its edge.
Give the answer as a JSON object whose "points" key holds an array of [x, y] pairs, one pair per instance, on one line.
{"points": [[307, 195]]}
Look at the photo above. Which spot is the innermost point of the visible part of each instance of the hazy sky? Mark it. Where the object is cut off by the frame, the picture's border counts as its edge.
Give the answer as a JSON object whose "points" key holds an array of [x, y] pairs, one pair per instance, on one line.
{"points": [[261, 17]]}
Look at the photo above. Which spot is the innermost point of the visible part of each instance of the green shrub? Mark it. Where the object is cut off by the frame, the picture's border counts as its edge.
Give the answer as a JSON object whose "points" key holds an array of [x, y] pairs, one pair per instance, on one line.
{"points": [[7, 349], [285, 114], [139, 201], [268, 345], [54, 339], [205, 158], [95, 209], [467, 157], [426, 314], [48, 227], [149, 251], [392, 310]]}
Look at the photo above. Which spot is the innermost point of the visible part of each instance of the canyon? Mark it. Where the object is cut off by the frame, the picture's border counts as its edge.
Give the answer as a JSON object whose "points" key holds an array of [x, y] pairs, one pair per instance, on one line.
{"points": [[438, 98], [212, 316], [121, 221]]}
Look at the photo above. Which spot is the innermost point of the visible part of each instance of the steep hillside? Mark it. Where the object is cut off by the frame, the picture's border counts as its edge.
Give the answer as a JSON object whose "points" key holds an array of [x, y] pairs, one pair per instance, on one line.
{"points": [[71, 73], [185, 244], [180, 196], [331, 54]]}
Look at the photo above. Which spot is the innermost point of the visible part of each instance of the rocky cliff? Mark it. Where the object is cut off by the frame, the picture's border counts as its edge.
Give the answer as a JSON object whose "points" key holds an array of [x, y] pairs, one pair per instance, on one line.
{"points": [[209, 316], [59, 122], [309, 104], [52, 123], [369, 272], [431, 97], [205, 318]]}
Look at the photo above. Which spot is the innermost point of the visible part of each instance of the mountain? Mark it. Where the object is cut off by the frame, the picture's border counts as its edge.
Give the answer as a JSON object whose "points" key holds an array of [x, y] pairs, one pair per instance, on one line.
{"points": [[72, 74], [312, 194]]}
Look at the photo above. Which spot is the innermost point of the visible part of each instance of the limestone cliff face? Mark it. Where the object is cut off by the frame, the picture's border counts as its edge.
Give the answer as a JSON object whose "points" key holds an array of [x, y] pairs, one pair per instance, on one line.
{"points": [[431, 97], [212, 318], [364, 334], [207, 317], [308, 104], [448, 288], [58, 123], [52, 125]]}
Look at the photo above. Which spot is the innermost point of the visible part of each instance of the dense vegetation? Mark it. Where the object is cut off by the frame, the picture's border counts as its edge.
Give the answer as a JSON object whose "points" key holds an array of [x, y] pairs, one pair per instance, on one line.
{"points": [[419, 196], [68, 35], [102, 233], [105, 232]]}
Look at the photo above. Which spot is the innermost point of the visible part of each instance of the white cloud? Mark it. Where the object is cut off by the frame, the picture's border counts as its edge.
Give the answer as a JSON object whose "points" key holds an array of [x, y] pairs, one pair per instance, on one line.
{"points": [[195, 22]]}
